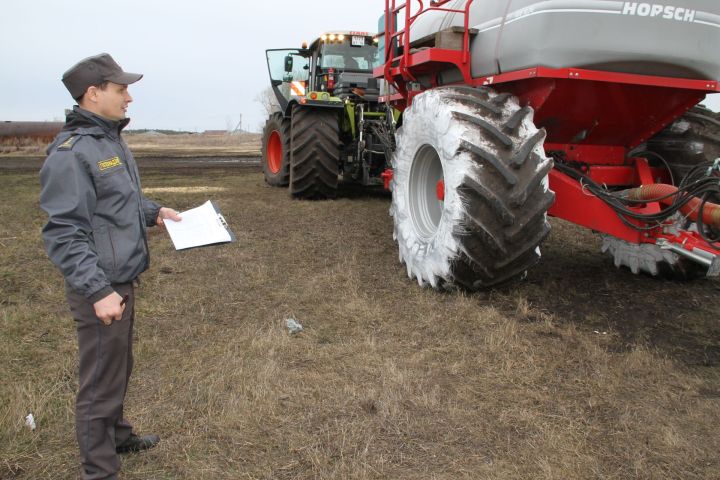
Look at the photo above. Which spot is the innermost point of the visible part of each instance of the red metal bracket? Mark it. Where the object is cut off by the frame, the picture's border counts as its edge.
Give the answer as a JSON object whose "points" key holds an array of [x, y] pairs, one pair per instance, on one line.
{"points": [[387, 177]]}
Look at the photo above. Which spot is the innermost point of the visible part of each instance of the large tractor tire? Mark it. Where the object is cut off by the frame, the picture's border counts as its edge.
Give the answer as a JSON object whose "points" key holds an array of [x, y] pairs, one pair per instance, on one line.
{"points": [[470, 188], [315, 153], [692, 139], [276, 150]]}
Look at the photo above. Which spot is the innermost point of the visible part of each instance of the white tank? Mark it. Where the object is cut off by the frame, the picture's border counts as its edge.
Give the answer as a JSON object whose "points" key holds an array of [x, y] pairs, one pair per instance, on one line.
{"points": [[677, 39]]}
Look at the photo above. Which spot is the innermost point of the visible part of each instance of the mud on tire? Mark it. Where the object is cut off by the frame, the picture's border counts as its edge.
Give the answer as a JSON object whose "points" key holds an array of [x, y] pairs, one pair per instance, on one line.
{"points": [[314, 153], [489, 155], [692, 139], [276, 150]]}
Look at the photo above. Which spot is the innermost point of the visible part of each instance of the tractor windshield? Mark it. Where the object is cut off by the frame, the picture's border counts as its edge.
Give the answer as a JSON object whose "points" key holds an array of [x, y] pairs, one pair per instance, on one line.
{"points": [[347, 57]]}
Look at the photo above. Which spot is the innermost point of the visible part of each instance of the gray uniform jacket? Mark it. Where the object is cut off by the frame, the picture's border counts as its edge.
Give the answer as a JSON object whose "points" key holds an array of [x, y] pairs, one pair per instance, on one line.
{"points": [[96, 230]]}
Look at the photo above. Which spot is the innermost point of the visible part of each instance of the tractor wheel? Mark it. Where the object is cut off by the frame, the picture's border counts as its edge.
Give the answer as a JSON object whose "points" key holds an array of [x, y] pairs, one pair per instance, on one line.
{"points": [[276, 150], [690, 140], [470, 188], [650, 259], [315, 153]]}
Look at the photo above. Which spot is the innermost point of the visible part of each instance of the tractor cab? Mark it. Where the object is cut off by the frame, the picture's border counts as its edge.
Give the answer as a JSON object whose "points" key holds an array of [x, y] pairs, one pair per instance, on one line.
{"points": [[338, 64], [346, 52]]}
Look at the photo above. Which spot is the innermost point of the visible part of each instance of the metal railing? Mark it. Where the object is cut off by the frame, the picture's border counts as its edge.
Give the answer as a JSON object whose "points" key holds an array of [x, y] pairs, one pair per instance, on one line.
{"points": [[392, 9]]}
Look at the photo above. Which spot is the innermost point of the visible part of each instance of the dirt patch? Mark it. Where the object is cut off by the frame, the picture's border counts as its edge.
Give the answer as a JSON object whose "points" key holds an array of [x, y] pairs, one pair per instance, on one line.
{"points": [[197, 189]]}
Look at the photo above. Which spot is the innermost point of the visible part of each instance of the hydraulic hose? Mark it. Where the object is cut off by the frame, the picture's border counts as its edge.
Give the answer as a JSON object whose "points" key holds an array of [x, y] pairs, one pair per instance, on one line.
{"points": [[666, 194]]}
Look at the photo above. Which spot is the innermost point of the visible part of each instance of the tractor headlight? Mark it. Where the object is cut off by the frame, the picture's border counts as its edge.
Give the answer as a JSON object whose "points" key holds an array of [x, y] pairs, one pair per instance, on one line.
{"points": [[341, 37], [331, 37]]}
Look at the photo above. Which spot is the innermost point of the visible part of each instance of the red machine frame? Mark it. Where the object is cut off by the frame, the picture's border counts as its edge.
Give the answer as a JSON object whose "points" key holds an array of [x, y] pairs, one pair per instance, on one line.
{"points": [[610, 112]]}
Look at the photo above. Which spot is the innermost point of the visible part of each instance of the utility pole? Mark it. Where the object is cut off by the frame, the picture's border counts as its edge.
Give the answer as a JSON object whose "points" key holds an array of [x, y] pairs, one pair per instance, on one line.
{"points": [[238, 128]]}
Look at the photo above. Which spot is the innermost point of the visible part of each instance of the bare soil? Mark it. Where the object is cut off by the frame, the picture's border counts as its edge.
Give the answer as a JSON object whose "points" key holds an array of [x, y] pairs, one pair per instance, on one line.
{"points": [[579, 371]]}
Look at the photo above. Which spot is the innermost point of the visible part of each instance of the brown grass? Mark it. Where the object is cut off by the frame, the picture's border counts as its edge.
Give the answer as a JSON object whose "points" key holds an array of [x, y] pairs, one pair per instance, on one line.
{"points": [[387, 380], [144, 145], [23, 146], [151, 145]]}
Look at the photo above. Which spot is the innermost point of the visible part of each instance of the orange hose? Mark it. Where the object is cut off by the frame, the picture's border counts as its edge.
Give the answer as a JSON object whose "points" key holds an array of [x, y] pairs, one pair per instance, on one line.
{"points": [[711, 211]]}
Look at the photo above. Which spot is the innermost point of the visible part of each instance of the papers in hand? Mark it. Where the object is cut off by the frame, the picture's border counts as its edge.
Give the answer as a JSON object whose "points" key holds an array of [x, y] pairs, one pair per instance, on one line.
{"points": [[199, 226]]}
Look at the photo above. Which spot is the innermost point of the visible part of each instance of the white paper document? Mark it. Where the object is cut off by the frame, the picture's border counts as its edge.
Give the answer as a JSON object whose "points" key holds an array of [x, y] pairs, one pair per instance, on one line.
{"points": [[199, 226]]}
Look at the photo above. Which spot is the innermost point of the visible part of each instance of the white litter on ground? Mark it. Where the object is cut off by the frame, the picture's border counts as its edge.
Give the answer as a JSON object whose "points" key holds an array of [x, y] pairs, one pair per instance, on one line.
{"points": [[30, 421], [293, 326]]}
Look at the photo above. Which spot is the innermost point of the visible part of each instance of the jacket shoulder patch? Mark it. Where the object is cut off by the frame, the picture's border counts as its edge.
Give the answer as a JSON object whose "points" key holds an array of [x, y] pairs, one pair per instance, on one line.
{"points": [[109, 163], [69, 143]]}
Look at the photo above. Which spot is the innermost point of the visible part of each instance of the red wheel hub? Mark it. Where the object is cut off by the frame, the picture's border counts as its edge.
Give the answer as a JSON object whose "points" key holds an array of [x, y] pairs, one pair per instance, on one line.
{"points": [[440, 190], [274, 152]]}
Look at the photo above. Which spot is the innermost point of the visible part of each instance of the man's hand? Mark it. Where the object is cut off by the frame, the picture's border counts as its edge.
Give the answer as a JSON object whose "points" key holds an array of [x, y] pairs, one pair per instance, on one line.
{"points": [[166, 213], [109, 308]]}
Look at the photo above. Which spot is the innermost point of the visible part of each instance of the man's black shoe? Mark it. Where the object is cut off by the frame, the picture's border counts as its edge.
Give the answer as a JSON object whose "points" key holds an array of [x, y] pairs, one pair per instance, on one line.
{"points": [[135, 443]]}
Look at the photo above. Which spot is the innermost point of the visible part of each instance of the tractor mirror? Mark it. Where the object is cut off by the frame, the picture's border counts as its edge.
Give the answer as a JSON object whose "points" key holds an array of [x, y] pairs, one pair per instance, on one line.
{"points": [[288, 63]]}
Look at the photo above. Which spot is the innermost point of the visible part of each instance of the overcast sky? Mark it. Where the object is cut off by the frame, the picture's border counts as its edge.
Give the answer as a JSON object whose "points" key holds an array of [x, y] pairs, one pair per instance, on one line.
{"points": [[203, 60]]}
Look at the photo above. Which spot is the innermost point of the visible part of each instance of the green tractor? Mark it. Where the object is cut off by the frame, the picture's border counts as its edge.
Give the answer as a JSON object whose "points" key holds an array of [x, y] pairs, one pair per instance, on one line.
{"points": [[330, 127]]}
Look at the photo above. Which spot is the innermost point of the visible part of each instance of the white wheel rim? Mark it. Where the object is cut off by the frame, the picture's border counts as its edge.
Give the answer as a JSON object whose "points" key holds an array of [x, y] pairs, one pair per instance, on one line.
{"points": [[425, 207]]}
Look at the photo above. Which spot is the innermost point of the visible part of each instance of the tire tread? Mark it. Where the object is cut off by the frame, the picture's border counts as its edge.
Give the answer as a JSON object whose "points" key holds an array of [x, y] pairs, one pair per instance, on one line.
{"points": [[314, 153]]}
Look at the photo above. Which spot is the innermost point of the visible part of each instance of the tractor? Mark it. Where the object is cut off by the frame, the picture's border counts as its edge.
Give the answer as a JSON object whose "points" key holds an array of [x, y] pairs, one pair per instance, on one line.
{"points": [[329, 127], [494, 115], [584, 110]]}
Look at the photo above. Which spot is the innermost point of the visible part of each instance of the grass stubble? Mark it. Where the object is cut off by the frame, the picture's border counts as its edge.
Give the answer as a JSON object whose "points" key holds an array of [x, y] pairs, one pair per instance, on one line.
{"points": [[153, 145], [580, 371]]}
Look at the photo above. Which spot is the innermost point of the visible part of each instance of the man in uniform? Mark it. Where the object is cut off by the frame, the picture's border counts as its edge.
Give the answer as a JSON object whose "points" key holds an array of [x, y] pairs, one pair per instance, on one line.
{"points": [[96, 236]]}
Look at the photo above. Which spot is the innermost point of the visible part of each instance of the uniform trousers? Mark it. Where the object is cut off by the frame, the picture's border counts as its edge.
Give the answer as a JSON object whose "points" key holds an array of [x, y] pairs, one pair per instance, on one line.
{"points": [[105, 365]]}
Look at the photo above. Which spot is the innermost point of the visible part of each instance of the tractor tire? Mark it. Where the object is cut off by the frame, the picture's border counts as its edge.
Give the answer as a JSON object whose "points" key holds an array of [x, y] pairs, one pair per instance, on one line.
{"points": [[692, 139], [276, 150], [314, 153], [470, 189]]}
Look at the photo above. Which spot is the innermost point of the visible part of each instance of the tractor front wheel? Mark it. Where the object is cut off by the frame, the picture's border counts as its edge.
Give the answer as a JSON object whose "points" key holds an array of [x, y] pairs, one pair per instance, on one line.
{"points": [[276, 150], [315, 153], [470, 188]]}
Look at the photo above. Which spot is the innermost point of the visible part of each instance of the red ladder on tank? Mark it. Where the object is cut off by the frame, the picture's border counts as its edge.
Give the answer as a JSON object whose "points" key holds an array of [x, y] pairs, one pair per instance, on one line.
{"points": [[404, 68]]}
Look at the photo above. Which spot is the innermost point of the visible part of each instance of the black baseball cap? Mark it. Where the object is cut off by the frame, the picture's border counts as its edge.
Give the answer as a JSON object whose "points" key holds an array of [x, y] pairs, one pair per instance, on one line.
{"points": [[96, 70]]}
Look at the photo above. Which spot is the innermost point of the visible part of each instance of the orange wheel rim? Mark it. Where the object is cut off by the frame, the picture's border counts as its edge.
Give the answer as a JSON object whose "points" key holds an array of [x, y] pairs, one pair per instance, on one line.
{"points": [[274, 152]]}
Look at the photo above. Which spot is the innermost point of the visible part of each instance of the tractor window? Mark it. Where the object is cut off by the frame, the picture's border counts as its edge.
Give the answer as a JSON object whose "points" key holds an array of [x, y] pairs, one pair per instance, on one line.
{"points": [[289, 71], [288, 65], [343, 56]]}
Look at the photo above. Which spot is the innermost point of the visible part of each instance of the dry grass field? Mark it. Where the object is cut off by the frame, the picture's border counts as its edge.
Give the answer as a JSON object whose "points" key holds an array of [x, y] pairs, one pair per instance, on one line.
{"points": [[149, 145], [580, 371]]}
